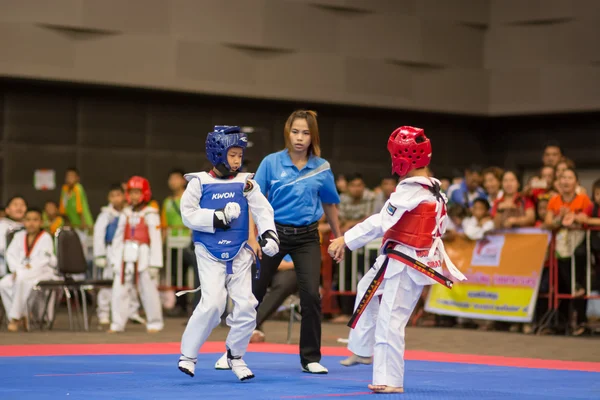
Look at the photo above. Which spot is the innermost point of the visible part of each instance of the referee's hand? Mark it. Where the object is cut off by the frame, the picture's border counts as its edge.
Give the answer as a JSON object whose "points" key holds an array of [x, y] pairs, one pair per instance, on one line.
{"points": [[337, 248]]}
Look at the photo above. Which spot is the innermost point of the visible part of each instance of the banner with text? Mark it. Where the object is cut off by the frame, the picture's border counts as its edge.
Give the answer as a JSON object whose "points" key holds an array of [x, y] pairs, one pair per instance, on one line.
{"points": [[503, 276]]}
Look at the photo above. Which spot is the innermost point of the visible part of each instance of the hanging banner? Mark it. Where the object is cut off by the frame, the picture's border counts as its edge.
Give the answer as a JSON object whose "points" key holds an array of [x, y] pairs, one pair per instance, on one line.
{"points": [[44, 179], [503, 276]]}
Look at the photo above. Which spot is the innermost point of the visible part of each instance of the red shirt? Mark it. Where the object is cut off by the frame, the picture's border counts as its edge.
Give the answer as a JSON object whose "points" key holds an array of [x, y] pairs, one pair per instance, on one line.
{"points": [[519, 201]]}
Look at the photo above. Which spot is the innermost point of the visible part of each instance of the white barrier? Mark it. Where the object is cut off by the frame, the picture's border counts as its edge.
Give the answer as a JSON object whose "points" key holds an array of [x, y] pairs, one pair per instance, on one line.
{"points": [[354, 267], [179, 244]]}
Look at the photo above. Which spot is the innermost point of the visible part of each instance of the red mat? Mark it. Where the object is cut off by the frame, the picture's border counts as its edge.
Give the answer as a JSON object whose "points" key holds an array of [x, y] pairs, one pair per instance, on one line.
{"points": [[218, 347]]}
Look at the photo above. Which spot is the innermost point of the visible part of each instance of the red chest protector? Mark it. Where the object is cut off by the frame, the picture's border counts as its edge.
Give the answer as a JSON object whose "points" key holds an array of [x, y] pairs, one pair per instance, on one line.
{"points": [[138, 233], [416, 228]]}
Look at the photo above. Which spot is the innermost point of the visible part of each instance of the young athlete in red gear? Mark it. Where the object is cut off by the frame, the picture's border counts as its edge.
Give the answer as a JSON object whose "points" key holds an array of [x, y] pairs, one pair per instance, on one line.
{"points": [[412, 223]]}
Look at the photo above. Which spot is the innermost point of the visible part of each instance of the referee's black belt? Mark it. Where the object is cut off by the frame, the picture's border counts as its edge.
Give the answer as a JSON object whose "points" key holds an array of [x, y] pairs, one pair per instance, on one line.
{"points": [[296, 230]]}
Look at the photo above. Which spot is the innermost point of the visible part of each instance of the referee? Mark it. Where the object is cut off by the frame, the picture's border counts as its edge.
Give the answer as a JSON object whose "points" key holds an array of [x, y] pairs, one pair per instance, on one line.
{"points": [[300, 187]]}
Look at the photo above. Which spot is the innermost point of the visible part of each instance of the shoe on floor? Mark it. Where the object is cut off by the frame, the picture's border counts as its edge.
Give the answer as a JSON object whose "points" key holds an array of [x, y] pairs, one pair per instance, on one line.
{"points": [[314, 368], [136, 319], [240, 369], [222, 363], [187, 366]]}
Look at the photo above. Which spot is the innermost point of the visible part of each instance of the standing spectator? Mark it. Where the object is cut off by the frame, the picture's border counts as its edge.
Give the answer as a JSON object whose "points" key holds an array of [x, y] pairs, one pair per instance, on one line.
{"points": [[357, 203], [512, 209], [388, 186], [15, 212], [564, 211], [492, 182], [74, 205], [469, 189], [552, 154], [542, 209], [172, 226], [300, 186], [52, 221]]}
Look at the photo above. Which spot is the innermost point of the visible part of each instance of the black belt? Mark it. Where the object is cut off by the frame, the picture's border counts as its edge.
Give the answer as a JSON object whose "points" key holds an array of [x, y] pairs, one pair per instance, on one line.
{"points": [[296, 230]]}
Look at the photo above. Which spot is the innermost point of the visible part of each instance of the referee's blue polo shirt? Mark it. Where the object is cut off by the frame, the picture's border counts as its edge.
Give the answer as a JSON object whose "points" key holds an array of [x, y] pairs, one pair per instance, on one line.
{"points": [[296, 196]]}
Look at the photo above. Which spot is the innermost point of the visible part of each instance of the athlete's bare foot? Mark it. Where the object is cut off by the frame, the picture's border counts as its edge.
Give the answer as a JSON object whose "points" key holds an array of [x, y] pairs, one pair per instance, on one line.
{"points": [[386, 389], [356, 359]]}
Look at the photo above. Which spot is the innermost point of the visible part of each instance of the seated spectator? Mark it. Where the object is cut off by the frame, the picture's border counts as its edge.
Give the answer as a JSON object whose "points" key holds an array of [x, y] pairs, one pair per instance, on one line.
{"points": [[387, 186], [492, 182], [283, 285], [512, 209], [341, 183], [52, 221], [356, 204], [445, 182], [30, 258], [15, 212], [479, 223], [469, 189], [564, 211], [456, 215]]}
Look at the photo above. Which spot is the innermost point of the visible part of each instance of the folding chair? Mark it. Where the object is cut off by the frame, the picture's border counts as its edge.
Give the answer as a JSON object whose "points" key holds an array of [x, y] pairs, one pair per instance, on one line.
{"points": [[71, 262]]}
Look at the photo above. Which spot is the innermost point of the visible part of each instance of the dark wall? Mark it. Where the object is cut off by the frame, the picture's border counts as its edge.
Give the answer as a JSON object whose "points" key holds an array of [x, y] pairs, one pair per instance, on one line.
{"points": [[110, 134], [517, 142]]}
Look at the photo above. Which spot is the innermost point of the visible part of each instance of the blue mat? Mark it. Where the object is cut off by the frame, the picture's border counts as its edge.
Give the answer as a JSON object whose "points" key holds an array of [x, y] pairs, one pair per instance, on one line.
{"points": [[278, 376]]}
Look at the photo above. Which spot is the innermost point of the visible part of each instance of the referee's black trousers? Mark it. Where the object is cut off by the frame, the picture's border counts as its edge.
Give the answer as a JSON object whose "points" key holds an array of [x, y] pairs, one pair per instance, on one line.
{"points": [[304, 248]]}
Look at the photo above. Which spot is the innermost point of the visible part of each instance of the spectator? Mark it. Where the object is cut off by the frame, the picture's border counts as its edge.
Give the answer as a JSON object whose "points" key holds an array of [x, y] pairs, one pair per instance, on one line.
{"points": [[456, 215], [512, 209], [15, 212], [552, 154], [341, 184], [540, 185], [562, 165], [52, 221], [30, 257], [445, 183], [479, 223], [283, 285], [74, 205], [2, 212], [564, 211], [356, 204], [492, 181], [469, 189], [172, 225], [542, 209], [388, 186]]}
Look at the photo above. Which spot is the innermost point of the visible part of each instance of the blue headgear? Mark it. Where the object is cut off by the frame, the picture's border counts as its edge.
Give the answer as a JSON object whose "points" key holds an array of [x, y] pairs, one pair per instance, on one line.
{"points": [[221, 140]]}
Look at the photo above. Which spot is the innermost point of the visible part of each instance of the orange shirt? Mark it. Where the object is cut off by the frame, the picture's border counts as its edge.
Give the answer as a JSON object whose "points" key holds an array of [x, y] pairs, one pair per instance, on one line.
{"points": [[581, 203]]}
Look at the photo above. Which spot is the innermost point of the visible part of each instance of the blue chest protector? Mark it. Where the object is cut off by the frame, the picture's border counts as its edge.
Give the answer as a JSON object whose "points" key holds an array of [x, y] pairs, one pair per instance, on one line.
{"points": [[224, 244], [111, 229]]}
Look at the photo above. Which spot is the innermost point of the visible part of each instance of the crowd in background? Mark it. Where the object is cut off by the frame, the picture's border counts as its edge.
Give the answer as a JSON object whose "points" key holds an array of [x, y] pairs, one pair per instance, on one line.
{"points": [[484, 200], [481, 201]]}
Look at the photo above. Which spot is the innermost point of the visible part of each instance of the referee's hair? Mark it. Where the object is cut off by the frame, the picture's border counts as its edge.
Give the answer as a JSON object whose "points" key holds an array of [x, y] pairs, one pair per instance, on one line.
{"points": [[313, 128]]}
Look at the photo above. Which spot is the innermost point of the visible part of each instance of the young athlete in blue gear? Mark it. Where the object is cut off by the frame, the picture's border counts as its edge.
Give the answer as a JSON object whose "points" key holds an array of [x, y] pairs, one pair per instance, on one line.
{"points": [[216, 206]]}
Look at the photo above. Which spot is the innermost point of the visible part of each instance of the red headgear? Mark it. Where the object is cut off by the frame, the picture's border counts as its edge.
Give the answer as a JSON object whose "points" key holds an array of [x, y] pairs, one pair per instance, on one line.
{"points": [[137, 182], [410, 149]]}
